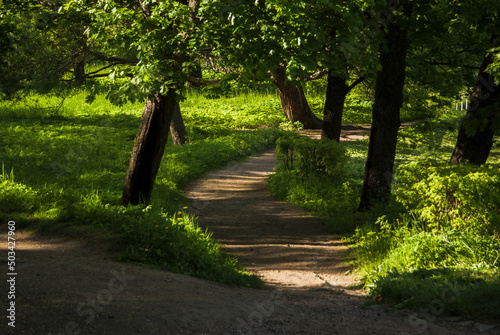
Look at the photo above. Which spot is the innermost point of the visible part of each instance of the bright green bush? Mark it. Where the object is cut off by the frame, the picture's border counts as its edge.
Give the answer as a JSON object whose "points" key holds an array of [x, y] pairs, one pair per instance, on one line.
{"points": [[15, 197], [307, 156], [317, 176], [463, 196]]}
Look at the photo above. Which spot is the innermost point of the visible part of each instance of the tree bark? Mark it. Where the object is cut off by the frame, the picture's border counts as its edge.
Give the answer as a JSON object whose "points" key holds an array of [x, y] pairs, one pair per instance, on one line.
{"points": [[294, 102], [483, 111], [79, 73], [148, 148], [177, 127], [386, 117], [336, 92]]}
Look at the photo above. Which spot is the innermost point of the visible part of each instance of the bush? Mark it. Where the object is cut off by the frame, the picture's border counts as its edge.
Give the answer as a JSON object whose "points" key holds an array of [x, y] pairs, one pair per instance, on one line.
{"points": [[313, 175], [463, 196], [15, 197], [305, 155]]}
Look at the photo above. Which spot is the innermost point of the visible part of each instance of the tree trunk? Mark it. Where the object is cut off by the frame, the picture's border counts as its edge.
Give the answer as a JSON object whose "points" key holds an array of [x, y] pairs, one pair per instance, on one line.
{"points": [[148, 148], [294, 102], [475, 146], [79, 73], [177, 127], [386, 118], [336, 92]]}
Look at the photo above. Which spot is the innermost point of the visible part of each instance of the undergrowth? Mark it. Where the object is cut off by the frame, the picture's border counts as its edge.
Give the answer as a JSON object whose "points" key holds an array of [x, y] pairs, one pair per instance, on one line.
{"points": [[436, 246]]}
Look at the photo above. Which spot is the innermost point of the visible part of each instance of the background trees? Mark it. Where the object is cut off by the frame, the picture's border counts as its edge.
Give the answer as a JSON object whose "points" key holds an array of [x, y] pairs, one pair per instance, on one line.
{"points": [[145, 49]]}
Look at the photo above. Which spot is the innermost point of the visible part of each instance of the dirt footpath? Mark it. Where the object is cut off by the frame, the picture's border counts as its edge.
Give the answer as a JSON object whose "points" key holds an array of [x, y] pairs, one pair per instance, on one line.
{"points": [[68, 286]]}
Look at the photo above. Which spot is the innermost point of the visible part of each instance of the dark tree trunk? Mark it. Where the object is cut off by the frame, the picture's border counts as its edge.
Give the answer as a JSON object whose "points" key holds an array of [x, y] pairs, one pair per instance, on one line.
{"points": [[195, 77], [336, 92], [79, 73], [294, 102], [148, 148], [386, 118], [177, 127], [474, 147]]}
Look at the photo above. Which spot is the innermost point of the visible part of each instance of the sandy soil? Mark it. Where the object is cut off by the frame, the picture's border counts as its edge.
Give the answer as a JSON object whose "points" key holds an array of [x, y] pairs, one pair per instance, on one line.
{"points": [[68, 286]]}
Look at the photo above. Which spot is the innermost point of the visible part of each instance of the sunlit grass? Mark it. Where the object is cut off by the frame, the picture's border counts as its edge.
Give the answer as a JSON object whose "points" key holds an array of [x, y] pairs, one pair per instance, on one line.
{"points": [[69, 162]]}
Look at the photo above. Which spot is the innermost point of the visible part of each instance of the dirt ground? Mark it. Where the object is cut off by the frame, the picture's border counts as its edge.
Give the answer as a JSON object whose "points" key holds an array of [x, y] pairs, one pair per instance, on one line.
{"points": [[74, 286]]}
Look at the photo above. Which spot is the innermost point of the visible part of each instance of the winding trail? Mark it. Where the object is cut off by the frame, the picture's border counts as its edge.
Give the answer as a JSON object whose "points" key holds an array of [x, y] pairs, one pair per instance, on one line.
{"points": [[278, 241]]}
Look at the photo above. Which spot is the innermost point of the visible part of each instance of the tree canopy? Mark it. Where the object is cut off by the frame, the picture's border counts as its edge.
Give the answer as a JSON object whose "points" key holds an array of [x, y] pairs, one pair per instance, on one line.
{"points": [[142, 49]]}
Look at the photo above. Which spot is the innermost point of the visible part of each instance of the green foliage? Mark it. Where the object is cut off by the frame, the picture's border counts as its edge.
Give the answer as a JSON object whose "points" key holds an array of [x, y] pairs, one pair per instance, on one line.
{"points": [[15, 197], [442, 291], [308, 156], [465, 197], [70, 160], [438, 236], [443, 229], [406, 262], [318, 176], [238, 110]]}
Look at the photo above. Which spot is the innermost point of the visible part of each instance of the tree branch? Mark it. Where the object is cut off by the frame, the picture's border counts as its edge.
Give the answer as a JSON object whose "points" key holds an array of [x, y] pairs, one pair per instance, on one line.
{"points": [[101, 69], [116, 60], [355, 83], [450, 64], [316, 76]]}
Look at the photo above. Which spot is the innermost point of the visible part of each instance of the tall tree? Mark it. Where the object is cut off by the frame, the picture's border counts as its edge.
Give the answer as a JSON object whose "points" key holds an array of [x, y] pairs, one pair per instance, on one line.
{"points": [[386, 111], [151, 47]]}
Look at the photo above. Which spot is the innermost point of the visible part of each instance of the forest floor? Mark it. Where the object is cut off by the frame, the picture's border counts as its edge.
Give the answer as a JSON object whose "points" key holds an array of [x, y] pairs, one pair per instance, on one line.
{"points": [[74, 286]]}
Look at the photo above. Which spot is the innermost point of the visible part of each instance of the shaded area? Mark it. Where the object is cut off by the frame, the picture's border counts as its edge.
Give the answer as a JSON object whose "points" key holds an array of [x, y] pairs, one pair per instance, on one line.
{"points": [[65, 284]]}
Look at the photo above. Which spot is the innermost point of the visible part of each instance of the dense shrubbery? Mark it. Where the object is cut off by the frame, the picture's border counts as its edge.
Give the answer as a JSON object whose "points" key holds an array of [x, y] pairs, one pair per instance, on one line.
{"points": [[307, 156], [317, 176], [439, 233], [464, 197]]}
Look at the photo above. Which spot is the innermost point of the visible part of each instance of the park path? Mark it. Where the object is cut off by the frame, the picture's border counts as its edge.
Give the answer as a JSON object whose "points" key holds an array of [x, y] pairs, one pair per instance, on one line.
{"points": [[276, 240]]}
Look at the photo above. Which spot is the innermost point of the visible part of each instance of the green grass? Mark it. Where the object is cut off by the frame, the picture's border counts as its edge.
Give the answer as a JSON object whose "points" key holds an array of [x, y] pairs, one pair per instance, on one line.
{"points": [[436, 242], [66, 166]]}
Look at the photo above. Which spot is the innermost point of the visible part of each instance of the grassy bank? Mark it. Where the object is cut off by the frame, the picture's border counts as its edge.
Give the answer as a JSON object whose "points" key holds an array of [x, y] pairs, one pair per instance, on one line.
{"points": [[65, 165], [435, 246]]}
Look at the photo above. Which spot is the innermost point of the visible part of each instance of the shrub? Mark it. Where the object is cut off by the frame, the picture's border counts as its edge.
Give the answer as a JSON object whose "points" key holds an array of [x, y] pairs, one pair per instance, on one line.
{"points": [[15, 197], [307, 156], [462, 196]]}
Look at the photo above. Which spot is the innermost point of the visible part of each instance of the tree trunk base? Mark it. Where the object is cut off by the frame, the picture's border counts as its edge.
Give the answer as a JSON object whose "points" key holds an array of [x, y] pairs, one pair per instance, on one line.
{"points": [[294, 102], [148, 148]]}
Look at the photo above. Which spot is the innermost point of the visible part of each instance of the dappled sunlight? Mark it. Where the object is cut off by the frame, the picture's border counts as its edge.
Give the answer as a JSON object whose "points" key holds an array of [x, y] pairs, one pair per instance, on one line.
{"points": [[271, 238]]}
